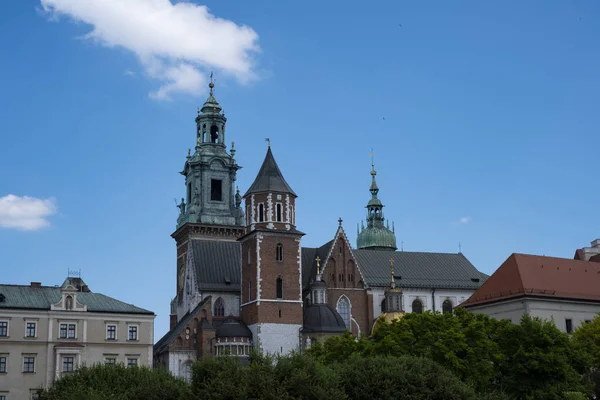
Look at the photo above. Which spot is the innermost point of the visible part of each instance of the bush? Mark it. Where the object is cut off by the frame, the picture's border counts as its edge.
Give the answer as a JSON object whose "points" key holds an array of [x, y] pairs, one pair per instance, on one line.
{"points": [[403, 377], [117, 382]]}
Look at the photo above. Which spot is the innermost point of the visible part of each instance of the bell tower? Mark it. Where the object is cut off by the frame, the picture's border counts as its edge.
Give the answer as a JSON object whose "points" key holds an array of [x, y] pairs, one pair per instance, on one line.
{"points": [[271, 303], [212, 207]]}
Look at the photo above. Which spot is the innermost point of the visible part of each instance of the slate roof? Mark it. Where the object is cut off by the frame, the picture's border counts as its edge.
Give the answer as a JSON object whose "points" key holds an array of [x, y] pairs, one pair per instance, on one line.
{"points": [[322, 318], [419, 269], [540, 276], [164, 341], [216, 264], [269, 178], [309, 265], [41, 298]]}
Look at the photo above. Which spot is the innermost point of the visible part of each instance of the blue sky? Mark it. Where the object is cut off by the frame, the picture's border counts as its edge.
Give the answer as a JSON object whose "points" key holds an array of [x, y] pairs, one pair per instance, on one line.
{"points": [[483, 118]]}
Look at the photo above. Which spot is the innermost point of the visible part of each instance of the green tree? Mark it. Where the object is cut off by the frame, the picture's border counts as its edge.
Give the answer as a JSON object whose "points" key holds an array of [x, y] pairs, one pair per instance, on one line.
{"points": [[540, 362], [117, 382], [407, 378], [587, 339], [339, 348]]}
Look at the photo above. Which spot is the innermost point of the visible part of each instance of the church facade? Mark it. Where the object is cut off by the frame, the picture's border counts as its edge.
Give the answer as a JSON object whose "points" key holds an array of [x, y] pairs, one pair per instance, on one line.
{"points": [[244, 280]]}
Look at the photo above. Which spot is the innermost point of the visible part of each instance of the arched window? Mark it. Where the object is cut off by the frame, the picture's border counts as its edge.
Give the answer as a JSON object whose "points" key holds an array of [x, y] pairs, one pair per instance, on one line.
{"points": [[278, 212], [417, 306], [279, 288], [343, 308], [214, 134], [261, 212], [279, 252], [69, 303], [219, 308], [447, 306], [382, 306]]}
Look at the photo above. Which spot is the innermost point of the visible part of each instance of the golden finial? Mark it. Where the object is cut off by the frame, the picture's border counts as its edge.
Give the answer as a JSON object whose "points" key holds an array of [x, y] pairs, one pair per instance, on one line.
{"points": [[211, 85], [373, 163], [189, 152], [392, 271]]}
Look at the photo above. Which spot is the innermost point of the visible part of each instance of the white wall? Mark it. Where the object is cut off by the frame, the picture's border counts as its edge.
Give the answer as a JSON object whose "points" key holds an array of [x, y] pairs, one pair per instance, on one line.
{"points": [[425, 295], [276, 338], [550, 309]]}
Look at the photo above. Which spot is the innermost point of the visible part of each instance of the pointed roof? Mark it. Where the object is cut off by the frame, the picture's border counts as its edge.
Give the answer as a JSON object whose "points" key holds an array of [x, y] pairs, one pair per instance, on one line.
{"points": [[540, 276], [269, 178]]}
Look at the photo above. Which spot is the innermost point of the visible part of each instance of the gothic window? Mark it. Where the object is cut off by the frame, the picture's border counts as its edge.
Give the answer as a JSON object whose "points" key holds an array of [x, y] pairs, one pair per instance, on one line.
{"points": [[216, 192], [447, 306], [214, 134], [249, 255], [249, 289], [278, 212], [261, 212], [279, 252], [343, 308], [417, 306], [189, 193], [219, 308], [279, 293]]}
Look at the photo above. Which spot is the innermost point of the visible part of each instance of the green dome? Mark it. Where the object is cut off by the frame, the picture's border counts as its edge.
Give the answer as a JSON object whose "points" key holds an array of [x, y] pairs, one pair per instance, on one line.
{"points": [[376, 237]]}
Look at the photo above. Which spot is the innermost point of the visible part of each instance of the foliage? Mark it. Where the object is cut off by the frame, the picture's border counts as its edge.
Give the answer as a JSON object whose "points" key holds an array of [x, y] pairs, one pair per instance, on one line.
{"points": [[399, 378], [293, 377], [587, 339], [574, 396], [532, 359], [117, 382]]}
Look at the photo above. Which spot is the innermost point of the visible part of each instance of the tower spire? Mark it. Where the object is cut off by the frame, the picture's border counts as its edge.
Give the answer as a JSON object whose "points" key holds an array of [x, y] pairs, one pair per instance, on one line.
{"points": [[211, 85]]}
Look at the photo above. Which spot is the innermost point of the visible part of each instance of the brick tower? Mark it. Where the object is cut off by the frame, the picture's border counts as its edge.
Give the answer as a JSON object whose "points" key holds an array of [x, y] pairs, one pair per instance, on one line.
{"points": [[271, 284]]}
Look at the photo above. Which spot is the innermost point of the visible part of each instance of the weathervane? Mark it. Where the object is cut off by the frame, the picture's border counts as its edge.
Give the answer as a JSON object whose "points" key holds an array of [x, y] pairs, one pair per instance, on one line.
{"points": [[268, 141]]}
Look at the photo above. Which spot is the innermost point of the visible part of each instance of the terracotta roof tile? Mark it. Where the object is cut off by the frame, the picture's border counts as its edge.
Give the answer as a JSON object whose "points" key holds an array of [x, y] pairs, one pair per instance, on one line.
{"points": [[530, 275]]}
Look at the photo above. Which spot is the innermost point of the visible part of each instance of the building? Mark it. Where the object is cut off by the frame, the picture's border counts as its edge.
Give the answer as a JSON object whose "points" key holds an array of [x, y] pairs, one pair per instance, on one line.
{"points": [[564, 290], [48, 331], [245, 281], [591, 253]]}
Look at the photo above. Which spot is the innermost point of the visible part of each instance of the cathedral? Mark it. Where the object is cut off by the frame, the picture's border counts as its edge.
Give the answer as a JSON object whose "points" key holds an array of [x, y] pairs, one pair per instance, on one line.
{"points": [[245, 282]]}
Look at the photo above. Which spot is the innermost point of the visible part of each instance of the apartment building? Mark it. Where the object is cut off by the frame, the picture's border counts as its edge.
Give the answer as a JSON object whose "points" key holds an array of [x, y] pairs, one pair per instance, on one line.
{"points": [[48, 331]]}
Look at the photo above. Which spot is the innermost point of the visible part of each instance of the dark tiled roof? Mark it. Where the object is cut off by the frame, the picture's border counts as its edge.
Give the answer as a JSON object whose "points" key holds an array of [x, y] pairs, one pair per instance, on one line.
{"points": [[418, 270], [269, 178], [322, 318], [164, 342], [541, 276], [309, 265], [41, 298], [233, 328], [218, 264]]}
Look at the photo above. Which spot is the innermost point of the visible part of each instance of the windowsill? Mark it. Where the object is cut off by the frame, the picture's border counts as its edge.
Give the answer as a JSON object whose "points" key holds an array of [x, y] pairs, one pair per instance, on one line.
{"points": [[133, 340], [29, 372], [110, 340], [4, 337], [29, 337], [3, 372], [65, 338]]}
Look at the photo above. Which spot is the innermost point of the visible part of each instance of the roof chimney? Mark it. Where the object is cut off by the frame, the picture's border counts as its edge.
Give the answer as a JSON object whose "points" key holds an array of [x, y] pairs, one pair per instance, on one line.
{"points": [[596, 243], [36, 284]]}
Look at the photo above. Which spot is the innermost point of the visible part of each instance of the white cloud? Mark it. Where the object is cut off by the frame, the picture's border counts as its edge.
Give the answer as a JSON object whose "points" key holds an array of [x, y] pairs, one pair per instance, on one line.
{"points": [[25, 213], [174, 42], [465, 220], [129, 72]]}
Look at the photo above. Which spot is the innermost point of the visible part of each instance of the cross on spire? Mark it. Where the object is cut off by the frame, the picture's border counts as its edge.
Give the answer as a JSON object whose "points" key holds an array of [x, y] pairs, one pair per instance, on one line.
{"points": [[268, 141], [211, 85], [318, 260]]}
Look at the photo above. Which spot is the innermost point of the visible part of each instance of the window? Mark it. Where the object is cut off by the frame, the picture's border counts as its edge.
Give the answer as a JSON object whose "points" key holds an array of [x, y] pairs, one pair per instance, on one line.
{"points": [[33, 394], [133, 333], [417, 306], [29, 364], [569, 325], [132, 362], [68, 362], [30, 329], [67, 331], [214, 134], [111, 332], [110, 361], [382, 306], [343, 308], [189, 193], [447, 307], [351, 278], [279, 252], [216, 186], [261, 212], [587, 321], [4, 328], [249, 255], [2, 397], [279, 288], [186, 372], [219, 308], [278, 212], [3, 365]]}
